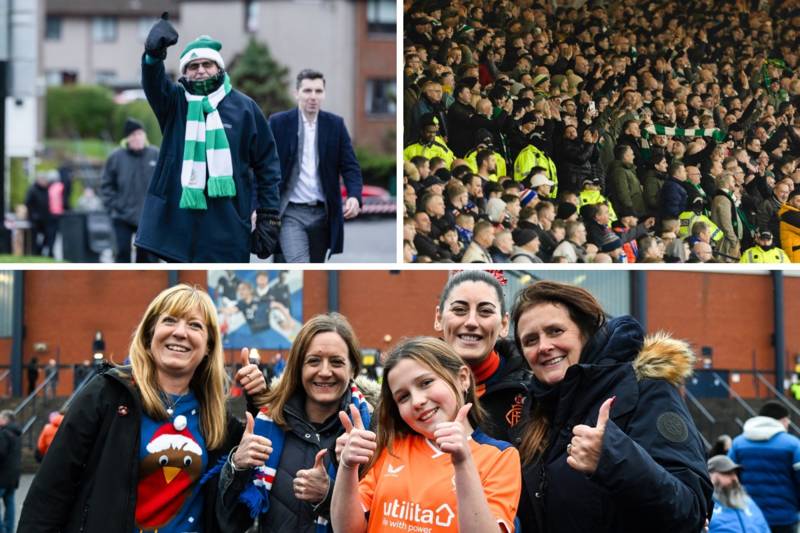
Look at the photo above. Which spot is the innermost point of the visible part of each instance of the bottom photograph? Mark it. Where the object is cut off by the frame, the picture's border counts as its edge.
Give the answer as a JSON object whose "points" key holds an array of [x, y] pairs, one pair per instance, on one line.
{"points": [[417, 401]]}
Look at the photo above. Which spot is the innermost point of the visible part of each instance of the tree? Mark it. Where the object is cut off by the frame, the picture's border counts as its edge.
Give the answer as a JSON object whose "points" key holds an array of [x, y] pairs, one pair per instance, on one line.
{"points": [[257, 74]]}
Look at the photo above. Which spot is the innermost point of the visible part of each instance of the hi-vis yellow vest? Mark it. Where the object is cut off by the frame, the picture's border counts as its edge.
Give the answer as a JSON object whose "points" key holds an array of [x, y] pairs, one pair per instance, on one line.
{"points": [[472, 163], [530, 157], [757, 254], [687, 220], [591, 197], [437, 148]]}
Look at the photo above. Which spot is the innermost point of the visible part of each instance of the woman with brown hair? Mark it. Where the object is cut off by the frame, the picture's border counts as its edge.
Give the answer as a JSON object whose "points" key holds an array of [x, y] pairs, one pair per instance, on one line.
{"points": [[299, 415], [137, 447], [427, 466], [609, 445]]}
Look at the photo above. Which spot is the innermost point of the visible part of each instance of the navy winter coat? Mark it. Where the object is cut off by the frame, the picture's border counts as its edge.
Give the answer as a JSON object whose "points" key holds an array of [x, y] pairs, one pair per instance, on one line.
{"points": [[652, 474], [221, 233], [336, 157], [673, 198]]}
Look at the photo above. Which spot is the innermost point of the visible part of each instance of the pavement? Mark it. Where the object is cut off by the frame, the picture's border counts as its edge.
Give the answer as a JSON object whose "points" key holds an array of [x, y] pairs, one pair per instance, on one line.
{"points": [[19, 496], [366, 240]]}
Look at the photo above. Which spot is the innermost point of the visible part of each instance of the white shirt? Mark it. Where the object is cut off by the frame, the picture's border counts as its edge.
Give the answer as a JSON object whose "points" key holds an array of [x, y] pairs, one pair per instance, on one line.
{"points": [[308, 188]]}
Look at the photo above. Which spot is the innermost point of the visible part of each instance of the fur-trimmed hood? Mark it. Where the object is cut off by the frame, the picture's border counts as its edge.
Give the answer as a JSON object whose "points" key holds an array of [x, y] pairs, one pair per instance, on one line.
{"points": [[664, 357], [369, 388]]}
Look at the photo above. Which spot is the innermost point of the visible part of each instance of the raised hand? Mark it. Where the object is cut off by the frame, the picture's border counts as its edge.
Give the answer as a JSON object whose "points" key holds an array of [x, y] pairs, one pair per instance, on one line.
{"points": [[360, 444], [250, 377], [311, 484], [253, 450], [583, 452], [451, 437], [162, 35]]}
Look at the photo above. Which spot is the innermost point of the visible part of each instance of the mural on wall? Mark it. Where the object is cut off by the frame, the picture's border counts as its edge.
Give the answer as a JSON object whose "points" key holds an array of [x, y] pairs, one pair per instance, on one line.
{"points": [[257, 308]]}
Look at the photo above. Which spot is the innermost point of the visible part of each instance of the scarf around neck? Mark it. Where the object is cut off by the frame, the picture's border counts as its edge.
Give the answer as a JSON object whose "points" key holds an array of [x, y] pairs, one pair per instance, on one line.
{"points": [[256, 495], [206, 150]]}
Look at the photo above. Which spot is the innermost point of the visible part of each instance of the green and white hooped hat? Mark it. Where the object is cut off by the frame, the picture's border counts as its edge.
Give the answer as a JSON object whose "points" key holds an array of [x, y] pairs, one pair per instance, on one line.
{"points": [[204, 47]]}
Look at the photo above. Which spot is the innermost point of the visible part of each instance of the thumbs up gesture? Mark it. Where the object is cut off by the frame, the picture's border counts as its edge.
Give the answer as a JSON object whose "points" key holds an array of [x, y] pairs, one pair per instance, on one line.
{"points": [[253, 450], [311, 484], [451, 437], [250, 377], [360, 444], [583, 452]]}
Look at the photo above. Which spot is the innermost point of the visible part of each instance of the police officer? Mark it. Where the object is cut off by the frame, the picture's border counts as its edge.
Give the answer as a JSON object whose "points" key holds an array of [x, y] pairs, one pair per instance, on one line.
{"points": [[429, 145], [764, 251]]}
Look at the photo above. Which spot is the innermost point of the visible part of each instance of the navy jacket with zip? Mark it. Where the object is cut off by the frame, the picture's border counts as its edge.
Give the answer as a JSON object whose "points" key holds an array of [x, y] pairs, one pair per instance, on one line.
{"points": [[220, 233]]}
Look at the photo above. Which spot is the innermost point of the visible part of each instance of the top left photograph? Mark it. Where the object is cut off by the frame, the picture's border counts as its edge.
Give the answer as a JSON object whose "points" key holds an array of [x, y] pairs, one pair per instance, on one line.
{"points": [[198, 131]]}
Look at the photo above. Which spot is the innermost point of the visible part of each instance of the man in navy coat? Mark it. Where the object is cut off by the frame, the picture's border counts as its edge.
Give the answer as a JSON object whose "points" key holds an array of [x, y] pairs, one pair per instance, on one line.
{"points": [[314, 150]]}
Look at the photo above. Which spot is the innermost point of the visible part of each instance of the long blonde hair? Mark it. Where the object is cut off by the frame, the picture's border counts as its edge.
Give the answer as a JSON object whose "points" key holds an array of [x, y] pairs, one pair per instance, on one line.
{"points": [[291, 379], [208, 383], [445, 363]]}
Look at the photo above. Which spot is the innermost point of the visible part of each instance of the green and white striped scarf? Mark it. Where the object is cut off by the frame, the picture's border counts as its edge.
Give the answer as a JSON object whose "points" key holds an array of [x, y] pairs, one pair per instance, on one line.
{"points": [[658, 129], [206, 145]]}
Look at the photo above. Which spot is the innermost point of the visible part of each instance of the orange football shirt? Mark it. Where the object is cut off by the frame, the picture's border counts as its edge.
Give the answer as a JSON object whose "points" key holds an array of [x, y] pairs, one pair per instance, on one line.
{"points": [[413, 489]]}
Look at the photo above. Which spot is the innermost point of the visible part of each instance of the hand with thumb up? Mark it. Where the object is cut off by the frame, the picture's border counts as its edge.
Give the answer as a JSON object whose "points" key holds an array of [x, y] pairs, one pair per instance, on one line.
{"points": [[583, 452], [451, 437], [253, 450], [311, 485], [360, 444]]}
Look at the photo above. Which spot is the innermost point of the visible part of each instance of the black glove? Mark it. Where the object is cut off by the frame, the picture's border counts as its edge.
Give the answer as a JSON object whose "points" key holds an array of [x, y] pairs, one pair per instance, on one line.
{"points": [[264, 238], [162, 35]]}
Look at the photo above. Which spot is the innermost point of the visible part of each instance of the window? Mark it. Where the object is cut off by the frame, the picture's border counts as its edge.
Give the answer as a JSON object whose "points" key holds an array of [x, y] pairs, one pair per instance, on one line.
{"points": [[251, 12], [6, 302], [105, 77], [380, 98], [104, 29], [381, 16], [52, 29]]}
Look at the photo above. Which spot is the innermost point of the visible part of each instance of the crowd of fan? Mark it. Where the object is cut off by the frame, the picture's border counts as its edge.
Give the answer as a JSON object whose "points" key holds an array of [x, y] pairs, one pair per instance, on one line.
{"points": [[630, 131]]}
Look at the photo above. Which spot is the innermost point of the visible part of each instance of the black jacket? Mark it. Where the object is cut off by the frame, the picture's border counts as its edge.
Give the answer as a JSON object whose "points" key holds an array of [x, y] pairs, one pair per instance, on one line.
{"points": [[303, 441], [652, 474], [10, 455], [505, 392], [125, 179], [88, 480]]}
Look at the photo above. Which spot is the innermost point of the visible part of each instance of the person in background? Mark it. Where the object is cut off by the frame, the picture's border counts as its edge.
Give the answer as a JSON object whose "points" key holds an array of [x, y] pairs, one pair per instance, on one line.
{"points": [[47, 434], [734, 510], [10, 467]]}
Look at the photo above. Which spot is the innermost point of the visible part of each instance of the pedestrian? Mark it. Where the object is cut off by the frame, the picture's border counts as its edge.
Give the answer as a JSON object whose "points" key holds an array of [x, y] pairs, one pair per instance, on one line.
{"points": [[47, 434], [299, 415], [142, 443], [10, 466], [314, 150], [473, 319], [33, 373], [37, 202], [219, 143], [51, 374], [734, 510], [126, 176], [609, 444], [768, 455], [428, 465]]}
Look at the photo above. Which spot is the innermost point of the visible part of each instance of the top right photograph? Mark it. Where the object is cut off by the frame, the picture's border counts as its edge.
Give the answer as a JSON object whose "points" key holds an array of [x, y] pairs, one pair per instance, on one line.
{"points": [[601, 132]]}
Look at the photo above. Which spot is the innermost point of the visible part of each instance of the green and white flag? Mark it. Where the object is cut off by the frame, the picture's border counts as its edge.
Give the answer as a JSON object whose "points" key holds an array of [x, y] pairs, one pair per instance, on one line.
{"points": [[658, 129], [206, 146]]}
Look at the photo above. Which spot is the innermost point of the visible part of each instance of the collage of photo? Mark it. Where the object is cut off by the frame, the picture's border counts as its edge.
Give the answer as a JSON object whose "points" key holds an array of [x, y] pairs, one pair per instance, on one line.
{"points": [[430, 266]]}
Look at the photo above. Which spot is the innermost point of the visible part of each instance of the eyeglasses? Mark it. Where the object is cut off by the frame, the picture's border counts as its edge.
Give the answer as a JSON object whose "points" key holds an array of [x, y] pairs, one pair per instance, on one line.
{"points": [[196, 65]]}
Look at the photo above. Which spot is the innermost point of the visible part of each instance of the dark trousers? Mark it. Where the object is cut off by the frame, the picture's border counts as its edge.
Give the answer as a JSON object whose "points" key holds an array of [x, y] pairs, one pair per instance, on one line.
{"points": [[44, 236], [123, 234]]}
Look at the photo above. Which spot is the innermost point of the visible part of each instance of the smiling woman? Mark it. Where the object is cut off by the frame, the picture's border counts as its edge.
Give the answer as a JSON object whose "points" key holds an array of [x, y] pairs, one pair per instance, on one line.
{"points": [[301, 413], [472, 319], [140, 442], [608, 443]]}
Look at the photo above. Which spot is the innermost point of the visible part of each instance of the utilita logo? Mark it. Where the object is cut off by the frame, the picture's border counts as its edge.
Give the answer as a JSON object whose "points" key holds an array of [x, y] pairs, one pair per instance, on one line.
{"points": [[414, 512]]}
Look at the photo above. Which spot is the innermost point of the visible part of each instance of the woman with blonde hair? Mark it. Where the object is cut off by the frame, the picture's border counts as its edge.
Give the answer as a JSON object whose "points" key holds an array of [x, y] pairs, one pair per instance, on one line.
{"points": [[299, 416], [609, 445], [136, 449], [427, 466]]}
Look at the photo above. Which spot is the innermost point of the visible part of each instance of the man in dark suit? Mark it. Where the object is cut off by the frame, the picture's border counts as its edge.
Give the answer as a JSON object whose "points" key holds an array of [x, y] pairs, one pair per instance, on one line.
{"points": [[314, 150]]}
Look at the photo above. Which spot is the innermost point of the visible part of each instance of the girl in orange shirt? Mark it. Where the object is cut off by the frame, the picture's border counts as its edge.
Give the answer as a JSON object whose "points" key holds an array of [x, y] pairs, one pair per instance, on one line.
{"points": [[427, 469]]}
